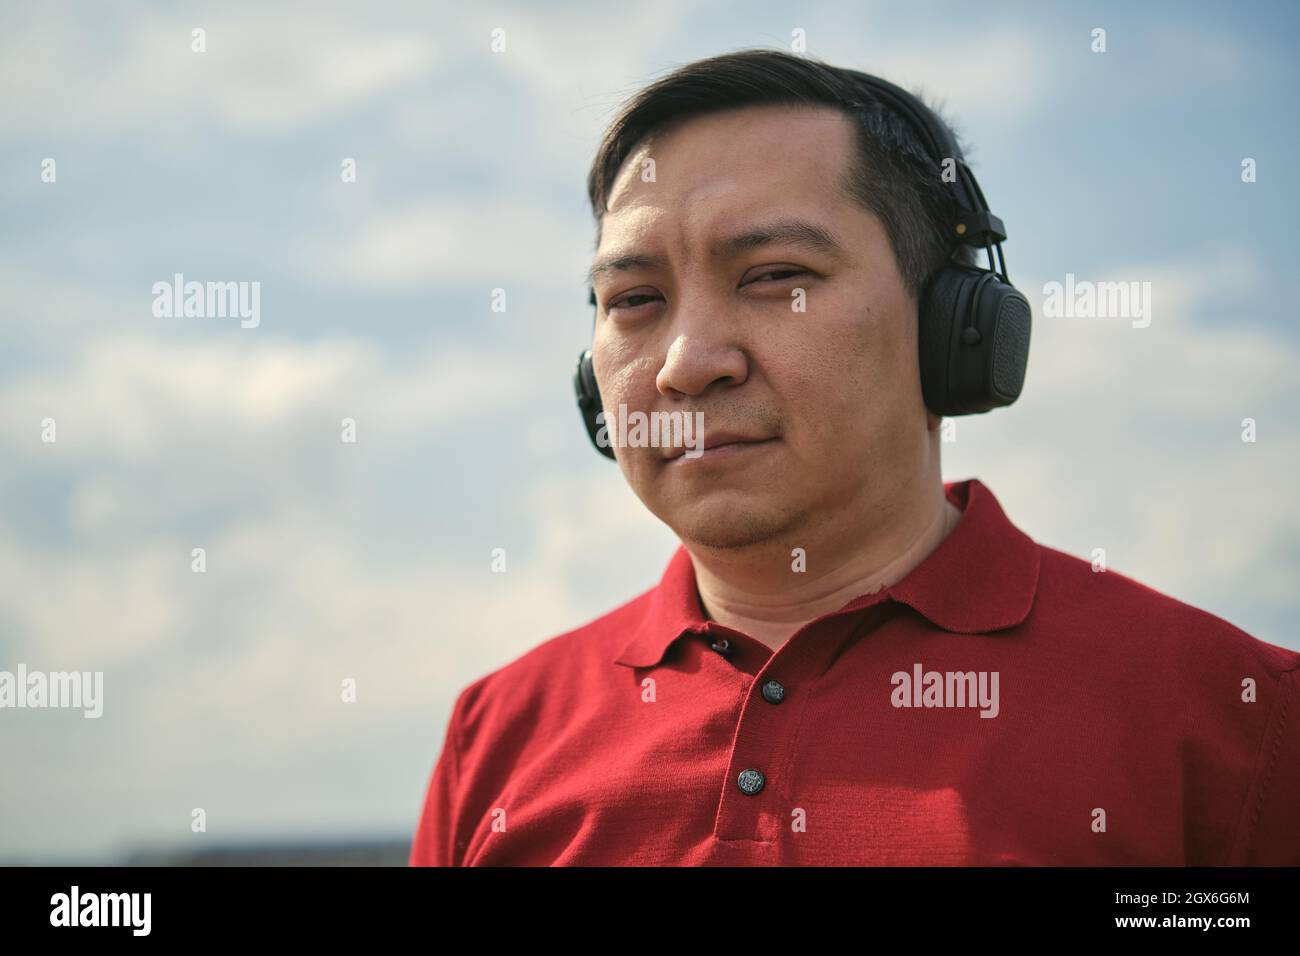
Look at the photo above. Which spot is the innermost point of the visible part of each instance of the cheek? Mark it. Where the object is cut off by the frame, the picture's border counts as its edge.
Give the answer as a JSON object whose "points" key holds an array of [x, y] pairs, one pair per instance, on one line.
{"points": [[881, 349], [853, 387], [819, 388], [623, 377], [627, 378]]}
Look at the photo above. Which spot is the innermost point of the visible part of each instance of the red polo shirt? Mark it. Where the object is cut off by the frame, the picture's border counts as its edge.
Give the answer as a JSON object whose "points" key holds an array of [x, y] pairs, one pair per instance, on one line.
{"points": [[1119, 729]]}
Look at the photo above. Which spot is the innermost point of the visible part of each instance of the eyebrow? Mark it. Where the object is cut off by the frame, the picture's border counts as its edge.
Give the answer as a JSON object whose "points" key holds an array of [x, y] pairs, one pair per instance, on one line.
{"points": [[795, 232]]}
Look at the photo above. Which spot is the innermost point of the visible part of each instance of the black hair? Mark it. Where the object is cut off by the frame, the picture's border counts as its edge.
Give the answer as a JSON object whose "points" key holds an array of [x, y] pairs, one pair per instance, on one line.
{"points": [[894, 176]]}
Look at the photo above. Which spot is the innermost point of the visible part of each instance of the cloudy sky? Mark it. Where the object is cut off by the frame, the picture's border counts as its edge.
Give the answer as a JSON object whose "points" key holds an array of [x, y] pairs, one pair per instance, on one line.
{"points": [[370, 560]]}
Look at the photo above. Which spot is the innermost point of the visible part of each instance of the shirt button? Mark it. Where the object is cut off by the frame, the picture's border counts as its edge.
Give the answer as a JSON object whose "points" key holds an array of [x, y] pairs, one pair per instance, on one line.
{"points": [[750, 781], [773, 692]]}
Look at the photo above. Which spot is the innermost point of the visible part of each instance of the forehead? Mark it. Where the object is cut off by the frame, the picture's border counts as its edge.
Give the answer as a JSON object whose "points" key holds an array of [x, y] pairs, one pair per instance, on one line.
{"points": [[736, 163]]}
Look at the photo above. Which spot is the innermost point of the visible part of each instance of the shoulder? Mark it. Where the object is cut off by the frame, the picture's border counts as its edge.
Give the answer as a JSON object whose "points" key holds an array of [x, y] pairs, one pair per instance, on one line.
{"points": [[1129, 614], [1192, 686], [1128, 620]]}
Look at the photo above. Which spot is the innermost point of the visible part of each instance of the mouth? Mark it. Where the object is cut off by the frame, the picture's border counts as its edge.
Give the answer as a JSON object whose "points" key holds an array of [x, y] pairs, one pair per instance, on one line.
{"points": [[719, 448]]}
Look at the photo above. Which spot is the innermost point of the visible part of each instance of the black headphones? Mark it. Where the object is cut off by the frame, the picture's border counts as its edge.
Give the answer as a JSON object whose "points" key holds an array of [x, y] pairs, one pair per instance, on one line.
{"points": [[973, 323]]}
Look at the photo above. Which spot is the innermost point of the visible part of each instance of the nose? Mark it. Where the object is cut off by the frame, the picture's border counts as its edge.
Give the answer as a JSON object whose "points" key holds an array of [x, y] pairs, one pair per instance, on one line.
{"points": [[700, 356]]}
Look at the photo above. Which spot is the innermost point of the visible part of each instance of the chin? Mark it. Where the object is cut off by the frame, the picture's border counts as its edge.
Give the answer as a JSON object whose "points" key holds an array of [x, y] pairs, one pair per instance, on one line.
{"points": [[726, 524]]}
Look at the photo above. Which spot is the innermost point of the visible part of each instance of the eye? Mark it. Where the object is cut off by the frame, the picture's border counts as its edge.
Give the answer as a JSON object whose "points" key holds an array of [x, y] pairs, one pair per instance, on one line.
{"points": [[780, 274], [631, 301]]}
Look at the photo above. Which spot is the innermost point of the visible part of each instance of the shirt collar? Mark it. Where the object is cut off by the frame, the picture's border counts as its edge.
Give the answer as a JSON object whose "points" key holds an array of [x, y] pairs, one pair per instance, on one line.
{"points": [[981, 578]]}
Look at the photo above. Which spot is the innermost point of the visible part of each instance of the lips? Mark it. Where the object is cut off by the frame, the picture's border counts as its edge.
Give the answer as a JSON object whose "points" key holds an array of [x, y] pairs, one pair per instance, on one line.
{"points": [[715, 439]]}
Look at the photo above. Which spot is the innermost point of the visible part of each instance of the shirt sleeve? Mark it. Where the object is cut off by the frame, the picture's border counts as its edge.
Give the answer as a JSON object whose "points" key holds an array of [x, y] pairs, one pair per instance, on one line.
{"points": [[435, 836], [1269, 832]]}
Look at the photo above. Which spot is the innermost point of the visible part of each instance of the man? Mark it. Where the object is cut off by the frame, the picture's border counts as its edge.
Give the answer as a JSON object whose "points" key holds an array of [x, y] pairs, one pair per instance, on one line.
{"points": [[847, 661]]}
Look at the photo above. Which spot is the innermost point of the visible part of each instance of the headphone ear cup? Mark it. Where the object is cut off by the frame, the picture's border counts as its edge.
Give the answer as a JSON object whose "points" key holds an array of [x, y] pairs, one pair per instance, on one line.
{"points": [[589, 404], [935, 324], [1011, 317], [973, 339]]}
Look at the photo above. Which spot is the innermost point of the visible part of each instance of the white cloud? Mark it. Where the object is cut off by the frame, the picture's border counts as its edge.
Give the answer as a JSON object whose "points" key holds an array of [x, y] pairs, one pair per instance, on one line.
{"points": [[989, 80], [265, 71], [145, 400], [491, 241]]}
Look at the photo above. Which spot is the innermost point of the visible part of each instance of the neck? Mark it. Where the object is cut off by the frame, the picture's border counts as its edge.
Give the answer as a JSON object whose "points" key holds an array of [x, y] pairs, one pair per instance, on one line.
{"points": [[757, 591]]}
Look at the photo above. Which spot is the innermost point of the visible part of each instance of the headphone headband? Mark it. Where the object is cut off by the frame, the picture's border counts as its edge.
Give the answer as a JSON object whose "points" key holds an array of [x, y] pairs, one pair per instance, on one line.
{"points": [[977, 226]]}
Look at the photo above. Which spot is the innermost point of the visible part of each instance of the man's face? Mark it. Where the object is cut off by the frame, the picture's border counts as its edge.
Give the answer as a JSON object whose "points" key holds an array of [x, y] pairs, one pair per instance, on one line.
{"points": [[695, 323]]}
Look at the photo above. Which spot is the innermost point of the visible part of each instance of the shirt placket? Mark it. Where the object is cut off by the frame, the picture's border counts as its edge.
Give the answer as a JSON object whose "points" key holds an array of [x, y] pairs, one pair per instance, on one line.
{"points": [[755, 802]]}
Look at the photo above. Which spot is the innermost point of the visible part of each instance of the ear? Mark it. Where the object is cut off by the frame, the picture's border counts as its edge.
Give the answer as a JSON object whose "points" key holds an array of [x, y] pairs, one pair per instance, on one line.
{"points": [[932, 421]]}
